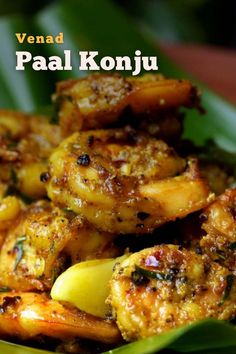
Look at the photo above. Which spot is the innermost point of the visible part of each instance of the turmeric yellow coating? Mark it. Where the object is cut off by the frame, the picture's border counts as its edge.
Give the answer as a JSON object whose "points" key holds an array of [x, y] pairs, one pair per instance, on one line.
{"points": [[219, 223], [29, 315], [124, 182], [100, 100], [165, 287], [116, 174], [43, 241], [26, 141]]}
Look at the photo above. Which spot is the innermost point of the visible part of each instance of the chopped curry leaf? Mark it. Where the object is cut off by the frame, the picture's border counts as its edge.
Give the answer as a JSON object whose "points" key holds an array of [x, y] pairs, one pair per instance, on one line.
{"points": [[232, 246], [19, 250], [14, 177], [25, 198], [229, 284], [4, 289], [138, 278], [153, 274]]}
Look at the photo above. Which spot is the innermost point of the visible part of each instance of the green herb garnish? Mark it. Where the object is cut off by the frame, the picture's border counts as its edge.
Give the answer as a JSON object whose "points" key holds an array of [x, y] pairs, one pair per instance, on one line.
{"points": [[232, 246], [221, 254], [14, 177], [12, 145], [4, 289], [18, 248], [25, 198], [154, 274], [229, 284], [138, 278], [54, 274]]}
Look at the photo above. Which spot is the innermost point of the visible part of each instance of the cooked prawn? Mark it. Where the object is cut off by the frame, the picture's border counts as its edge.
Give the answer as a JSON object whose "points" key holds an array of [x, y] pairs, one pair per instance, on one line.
{"points": [[167, 286], [219, 223], [42, 241], [28, 315], [26, 141], [100, 100], [124, 182]]}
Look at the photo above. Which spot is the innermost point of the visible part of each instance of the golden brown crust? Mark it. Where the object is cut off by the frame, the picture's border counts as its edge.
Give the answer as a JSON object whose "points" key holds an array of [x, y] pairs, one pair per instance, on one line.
{"points": [[44, 240], [220, 227], [26, 141], [100, 100], [29, 315], [119, 180], [165, 287], [124, 182]]}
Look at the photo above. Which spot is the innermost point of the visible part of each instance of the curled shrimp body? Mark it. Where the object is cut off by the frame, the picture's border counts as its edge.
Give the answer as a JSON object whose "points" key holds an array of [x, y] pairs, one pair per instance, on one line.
{"points": [[29, 315], [100, 100], [124, 182], [43, 241], [166, 287]]}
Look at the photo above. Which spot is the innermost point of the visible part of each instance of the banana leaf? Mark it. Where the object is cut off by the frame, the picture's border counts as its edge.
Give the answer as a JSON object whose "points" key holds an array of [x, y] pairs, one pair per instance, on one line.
{"points": [[201, 337], [102, 26], [204, 337], [23, 90]]}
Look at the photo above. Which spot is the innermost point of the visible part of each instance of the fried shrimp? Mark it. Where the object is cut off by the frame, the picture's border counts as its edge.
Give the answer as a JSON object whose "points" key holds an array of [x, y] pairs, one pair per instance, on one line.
{"points": [[105, 176], [218, 177], [29, 315], [43, 241], [166, 287], [124, 182], [99, 100], [220, 225], [25, 143]]}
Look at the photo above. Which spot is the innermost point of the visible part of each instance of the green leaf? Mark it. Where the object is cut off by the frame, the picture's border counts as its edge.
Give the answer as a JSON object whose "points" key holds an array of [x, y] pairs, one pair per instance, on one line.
{"points": [[208, 336], [11, 348], [212, 335], [19, 250], [169, 19], [24, 90]]}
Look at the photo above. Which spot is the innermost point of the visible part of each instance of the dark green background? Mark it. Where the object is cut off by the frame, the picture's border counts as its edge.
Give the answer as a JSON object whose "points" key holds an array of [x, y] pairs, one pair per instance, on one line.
{"points": [[203, 21]]}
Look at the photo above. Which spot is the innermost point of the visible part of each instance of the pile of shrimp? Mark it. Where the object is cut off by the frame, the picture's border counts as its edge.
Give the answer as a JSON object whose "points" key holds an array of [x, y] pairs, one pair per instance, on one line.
{"points": [[105, 173]]}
